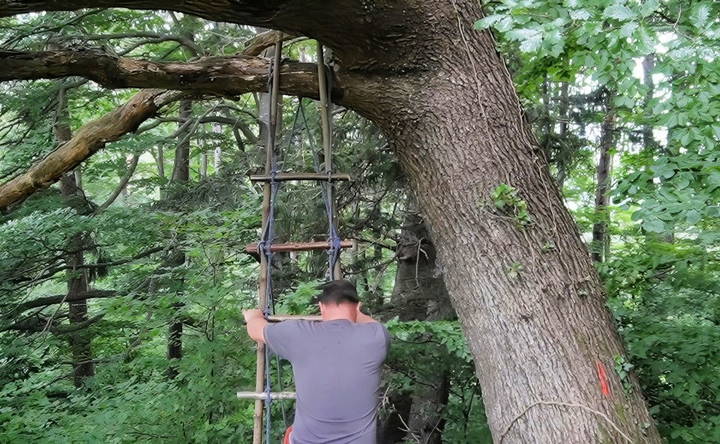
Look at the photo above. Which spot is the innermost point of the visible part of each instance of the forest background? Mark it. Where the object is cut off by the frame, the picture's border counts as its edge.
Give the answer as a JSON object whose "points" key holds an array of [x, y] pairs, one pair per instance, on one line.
{"points": [[121, 290]]}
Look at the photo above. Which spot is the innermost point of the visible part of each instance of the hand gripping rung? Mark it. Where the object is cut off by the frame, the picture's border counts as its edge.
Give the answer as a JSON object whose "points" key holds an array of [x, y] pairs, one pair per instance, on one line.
{"points": [[262, 396]]}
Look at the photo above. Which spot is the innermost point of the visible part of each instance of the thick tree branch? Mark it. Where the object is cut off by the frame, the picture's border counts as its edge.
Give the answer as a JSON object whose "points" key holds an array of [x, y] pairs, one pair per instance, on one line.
{"points": [[364, 35], [214, 75]]}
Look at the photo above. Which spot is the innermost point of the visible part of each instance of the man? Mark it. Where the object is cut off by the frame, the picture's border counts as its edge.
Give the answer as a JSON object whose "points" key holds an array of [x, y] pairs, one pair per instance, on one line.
{"points": [[336, 363]]}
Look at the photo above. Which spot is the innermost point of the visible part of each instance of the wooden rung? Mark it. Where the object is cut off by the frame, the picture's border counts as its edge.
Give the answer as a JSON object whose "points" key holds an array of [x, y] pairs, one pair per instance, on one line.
{"points": [[262, 396], [281, 177], [297, 246], [280, 318]]}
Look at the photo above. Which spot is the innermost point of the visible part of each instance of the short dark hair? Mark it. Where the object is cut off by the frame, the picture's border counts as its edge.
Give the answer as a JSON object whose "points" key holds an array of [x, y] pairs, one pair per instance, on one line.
{"points": [[337, 292]]}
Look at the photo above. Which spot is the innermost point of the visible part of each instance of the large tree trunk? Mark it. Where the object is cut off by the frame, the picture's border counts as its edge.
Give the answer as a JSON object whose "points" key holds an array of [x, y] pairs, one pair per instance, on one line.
{"points": [[527, 295]]}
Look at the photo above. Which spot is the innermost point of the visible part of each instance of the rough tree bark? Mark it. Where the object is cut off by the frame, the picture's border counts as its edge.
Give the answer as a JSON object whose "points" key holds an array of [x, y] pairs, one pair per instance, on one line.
{"points": [[78, 284], [528, 298], [600, 235]]}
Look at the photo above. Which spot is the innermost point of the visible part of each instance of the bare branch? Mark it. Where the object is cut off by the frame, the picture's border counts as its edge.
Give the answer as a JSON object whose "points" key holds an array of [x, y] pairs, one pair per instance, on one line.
{"points": [[37, 325], [234, 123], [46, 29], [121, 186]]}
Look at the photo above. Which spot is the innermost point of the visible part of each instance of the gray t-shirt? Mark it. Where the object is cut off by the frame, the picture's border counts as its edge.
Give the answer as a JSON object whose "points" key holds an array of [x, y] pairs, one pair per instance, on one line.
{"points": [[337, 368]]}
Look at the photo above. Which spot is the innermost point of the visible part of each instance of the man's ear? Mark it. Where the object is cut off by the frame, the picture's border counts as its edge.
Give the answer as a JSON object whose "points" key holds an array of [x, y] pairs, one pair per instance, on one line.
{"points": [[322, 307]]}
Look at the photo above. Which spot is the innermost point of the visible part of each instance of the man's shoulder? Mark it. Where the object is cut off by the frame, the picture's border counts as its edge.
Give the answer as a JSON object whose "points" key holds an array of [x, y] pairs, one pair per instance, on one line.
{"points": [[291, 323], [375, 329]]}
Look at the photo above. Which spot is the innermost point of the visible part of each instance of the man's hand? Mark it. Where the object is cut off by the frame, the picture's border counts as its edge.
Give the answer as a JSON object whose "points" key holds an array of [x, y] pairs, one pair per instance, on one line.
{"points": [[362, 318], [252, 314], [256, 323]]}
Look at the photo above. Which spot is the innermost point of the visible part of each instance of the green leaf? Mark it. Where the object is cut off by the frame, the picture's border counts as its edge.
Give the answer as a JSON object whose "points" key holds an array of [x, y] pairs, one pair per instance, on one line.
{"points": [[628, 29], [713, 180], [700, 15], [618, 12], [579, 14], [654, 225], [530, 39], [692, 217], [647, 7], [488, 21]]}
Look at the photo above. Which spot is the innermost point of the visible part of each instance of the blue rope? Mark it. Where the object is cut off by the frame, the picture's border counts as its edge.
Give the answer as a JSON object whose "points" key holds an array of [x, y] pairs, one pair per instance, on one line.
{"points": [[333, 236], [265, 246]]}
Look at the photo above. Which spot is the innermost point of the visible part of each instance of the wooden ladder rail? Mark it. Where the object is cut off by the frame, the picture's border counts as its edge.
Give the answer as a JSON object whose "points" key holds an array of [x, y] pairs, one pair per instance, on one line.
{"points": [[267, 195], [327, 144]]}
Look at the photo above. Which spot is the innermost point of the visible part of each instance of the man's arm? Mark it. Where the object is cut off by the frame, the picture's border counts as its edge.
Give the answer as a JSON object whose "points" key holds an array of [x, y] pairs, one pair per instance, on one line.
{"points": [[362, 318], [256, 323]]}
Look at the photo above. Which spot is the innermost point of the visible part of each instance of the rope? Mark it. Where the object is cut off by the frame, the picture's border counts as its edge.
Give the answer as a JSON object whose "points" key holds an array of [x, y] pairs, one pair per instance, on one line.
{"points": [[326, 123], [333, 235], [265, 245]]}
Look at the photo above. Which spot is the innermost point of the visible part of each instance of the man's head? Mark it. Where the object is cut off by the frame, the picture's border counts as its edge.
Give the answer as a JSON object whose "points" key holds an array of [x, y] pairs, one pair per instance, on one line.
{"points": [[338, 300]]}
